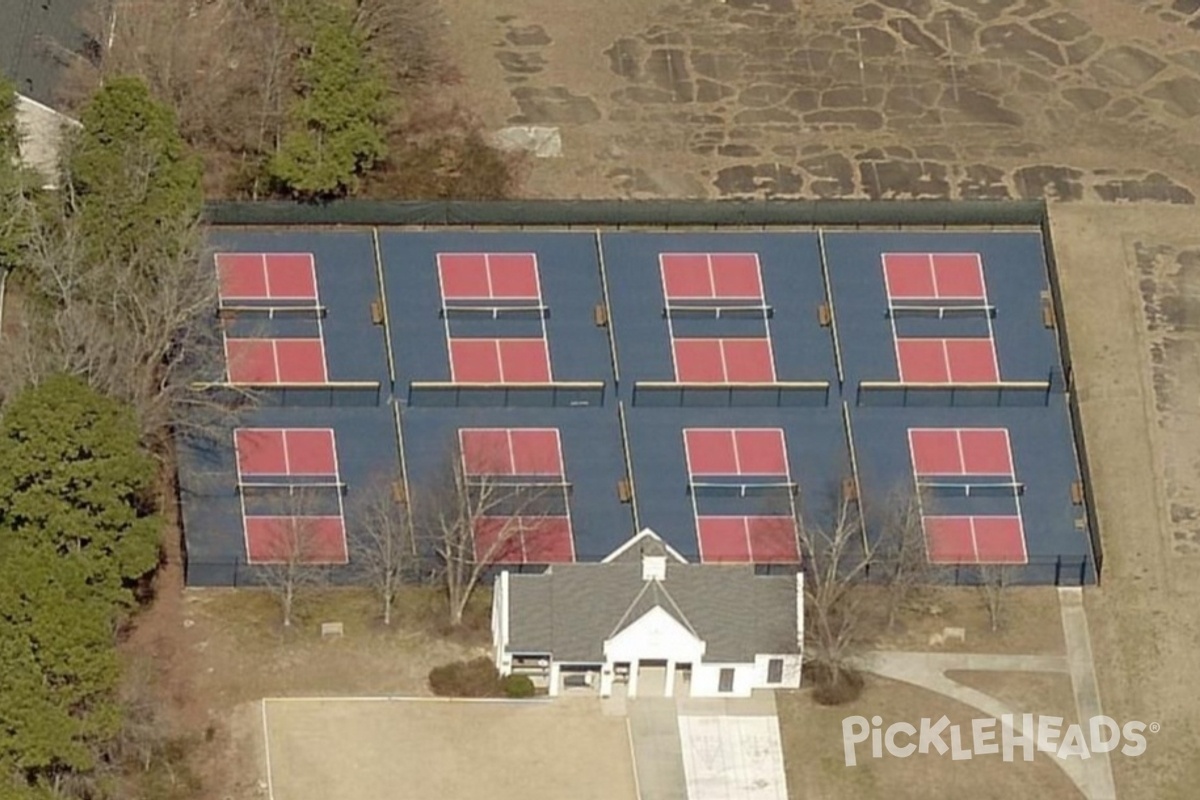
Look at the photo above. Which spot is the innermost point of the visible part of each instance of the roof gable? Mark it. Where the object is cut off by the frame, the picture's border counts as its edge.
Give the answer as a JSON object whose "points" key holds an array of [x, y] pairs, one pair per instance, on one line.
{"points": [[645, 543], [655, 634]]}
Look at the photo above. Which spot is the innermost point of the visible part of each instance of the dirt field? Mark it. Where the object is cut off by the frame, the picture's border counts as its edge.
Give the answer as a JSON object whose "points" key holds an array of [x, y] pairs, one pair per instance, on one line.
{"points": [[1073, 99], [379, 750], [816, 767], [1134, 332]]}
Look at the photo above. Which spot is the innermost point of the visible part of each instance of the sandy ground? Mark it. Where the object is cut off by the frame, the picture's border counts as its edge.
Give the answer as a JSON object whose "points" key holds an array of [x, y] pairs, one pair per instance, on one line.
{"points": [[380, 749], [1139, 393], [1073, 99]]}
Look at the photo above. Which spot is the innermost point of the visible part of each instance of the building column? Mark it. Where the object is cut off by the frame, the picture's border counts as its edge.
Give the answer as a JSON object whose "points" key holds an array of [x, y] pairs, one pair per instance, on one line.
{"points": [[669, 691], [555, 679], [633, 677]]}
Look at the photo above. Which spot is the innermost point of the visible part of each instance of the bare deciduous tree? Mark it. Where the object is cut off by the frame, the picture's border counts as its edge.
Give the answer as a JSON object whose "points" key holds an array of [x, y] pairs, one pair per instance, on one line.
{"points": [[142, 728], [384, 544], [994, 580], [901, 559], [470, 522], [404, 36], [837, 558], [141, 330], [293, 566]]}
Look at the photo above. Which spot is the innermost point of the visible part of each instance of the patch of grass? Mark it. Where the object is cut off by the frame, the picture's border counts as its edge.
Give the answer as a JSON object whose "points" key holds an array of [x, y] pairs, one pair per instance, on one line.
{"points": [[859, 781], [814, 753], [249, 611], [1032, 621], [518, 686], [1043, 693]]}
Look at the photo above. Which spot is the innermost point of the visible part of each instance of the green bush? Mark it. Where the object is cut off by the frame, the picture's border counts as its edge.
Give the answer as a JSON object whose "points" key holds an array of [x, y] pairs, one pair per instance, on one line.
{"points": [[517, 686], [475, 678]]}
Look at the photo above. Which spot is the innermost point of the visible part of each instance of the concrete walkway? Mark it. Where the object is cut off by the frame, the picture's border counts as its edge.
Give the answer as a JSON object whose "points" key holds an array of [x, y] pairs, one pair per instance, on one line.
{"points": [[927, 671], [904, 664], [1083, 683], [1093, 776], [657, 734], [656, 748]]}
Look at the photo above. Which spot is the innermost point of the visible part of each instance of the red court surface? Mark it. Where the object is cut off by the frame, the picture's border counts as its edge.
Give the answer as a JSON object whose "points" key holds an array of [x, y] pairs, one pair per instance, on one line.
{"points": [[975, 540], [934, 276], [311, 540], [747, 539], [276, 361], [960, 451], [524, 540], [968, 452], [931, 360], [499, 361], [489, 276], [741, 360], [511, 451], [266, 276], [711, 276], [735, 451], [285, 451]]}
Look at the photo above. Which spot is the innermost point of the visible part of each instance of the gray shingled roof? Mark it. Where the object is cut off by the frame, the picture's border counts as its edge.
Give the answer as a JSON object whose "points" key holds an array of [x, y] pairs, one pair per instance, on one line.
{"points": [[572, 609], [38, 38]]}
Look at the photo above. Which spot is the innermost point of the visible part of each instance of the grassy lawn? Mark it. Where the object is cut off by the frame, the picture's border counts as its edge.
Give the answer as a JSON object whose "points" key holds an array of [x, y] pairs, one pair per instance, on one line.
{"points": [[814, 757], [1042, 693], [223, 650], [1030, 622], [380, 750]]}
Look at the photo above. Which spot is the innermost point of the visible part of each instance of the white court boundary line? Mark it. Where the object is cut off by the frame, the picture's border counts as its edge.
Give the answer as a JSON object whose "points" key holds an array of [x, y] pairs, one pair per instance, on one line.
{"points": [[712, 282], [267, 750], [1012, 473], [403, 698], [637, 784]]}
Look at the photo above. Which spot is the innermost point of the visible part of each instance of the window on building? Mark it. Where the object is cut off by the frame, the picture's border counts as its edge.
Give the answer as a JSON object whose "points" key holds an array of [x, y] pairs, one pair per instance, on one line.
{"points": [[725, 683], [775, 670]]}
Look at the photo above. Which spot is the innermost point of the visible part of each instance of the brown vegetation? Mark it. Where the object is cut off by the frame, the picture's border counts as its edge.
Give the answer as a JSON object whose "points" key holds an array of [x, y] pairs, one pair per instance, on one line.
{"points": [[227, 68]]}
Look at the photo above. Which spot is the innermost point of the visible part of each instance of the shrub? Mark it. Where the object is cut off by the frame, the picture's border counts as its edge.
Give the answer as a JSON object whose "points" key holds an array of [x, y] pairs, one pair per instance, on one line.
{"points": [[830, 692], [475, 678], [517, 686]]}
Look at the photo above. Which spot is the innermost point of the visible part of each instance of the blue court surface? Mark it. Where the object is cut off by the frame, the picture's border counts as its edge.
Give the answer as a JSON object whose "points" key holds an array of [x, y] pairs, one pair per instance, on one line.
{"points": [[566, 285], [788, 292], [1014, 276], [592, 461], [714, 386], [677, 495]]}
